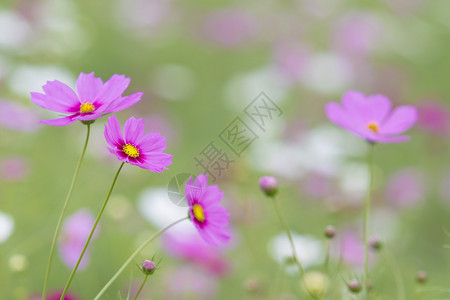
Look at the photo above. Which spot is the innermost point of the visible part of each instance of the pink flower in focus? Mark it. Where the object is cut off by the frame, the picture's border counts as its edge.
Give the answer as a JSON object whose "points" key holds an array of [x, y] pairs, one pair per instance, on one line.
{"points": [[144, 151], [434, 118], [94, 98], [406, 188], [74, 233], [191, 247], [14, 168], [18, 117], [208, 217], [230, 28], [370, 117]]}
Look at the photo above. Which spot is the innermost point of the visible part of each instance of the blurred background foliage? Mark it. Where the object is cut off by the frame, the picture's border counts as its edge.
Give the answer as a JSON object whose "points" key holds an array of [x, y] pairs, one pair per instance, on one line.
{"points": [[199, 64]]}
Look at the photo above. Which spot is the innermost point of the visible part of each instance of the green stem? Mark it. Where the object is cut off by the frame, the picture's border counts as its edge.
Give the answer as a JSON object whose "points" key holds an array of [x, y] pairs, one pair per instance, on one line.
{"points": [[366, 220], [139, 249], [61, 216], [142, 286], [286, 228], [90, 234]]}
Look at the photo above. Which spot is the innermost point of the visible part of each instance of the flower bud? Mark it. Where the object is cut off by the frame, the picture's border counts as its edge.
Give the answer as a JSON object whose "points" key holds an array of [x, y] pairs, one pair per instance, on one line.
{"points": [[269, 185], [148, 267], [354, 286], [375, 244], [422, 276], [330, 231]]}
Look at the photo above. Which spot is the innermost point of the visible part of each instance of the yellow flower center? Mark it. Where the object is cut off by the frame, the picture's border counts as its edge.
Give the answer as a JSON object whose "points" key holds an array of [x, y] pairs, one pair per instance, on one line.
{"points": [[86, 107], [130, 150], [199, 214], [373, 126]]}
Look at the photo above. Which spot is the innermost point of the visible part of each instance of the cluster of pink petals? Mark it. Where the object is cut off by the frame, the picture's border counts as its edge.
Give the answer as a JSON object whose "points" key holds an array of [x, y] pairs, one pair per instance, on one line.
{"points": [[192, 248], [74, 233], [93, 98], [206, 199], [147, 149], [371, 118]]}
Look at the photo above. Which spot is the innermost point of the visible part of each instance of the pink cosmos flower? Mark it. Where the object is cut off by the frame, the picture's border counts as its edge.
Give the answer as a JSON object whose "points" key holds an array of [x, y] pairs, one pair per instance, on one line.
{"points": [[370, 117], [144, 151], [434, 118], [94, 98], [209, 218], [74, 233]]}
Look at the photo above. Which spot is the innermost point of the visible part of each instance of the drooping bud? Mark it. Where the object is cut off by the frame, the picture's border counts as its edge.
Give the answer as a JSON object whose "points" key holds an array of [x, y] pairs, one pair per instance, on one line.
{"points": [[269, 185], [354, 286], [148, 267], [422, 276], [330, 231]]}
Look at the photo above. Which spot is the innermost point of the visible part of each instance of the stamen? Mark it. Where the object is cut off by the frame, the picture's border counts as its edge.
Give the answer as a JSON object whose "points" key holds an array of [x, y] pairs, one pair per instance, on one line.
{"points": [[130, 150], [199, 214], [373, 126], [86, 107]]}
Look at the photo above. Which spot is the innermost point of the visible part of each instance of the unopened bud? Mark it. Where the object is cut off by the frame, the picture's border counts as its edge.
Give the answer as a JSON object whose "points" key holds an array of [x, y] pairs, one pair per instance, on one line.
{"points": [[375, 244], [148, 267], [354, 286], [330, 232], [422, 276], [269, 185]]}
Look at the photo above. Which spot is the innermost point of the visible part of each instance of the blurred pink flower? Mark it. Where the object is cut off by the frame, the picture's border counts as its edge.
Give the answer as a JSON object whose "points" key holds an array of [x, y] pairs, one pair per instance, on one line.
{"points": [[230, 27], [191, 247], [357, 33], [14, 168], [370, 117], [55, 295], [348, 247], [406, 188], [18, 117], [209, 218], [434, 118], [93, 99], [291, 60], [317, 185], [74, 233], [132, 146], [190, 283]]}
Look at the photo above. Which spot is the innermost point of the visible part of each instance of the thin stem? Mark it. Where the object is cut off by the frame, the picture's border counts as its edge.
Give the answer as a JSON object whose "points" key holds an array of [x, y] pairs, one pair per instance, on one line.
{"points": [[366, 220], [142, 286], [136, 252], [63, 211], [286, 228], [91, 233], [395, 268]]}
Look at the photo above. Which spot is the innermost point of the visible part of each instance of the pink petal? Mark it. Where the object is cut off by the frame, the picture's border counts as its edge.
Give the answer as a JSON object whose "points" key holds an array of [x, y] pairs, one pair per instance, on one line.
{"points": [[123, 102], [60, 121], [212, 195], [207, 237], [113, 88], [133, 130], [401, 119], [152, 142], [88, 117], [157, 162], [112, 133], [88, 87], [62, 92], [53, 104], [188, 193], [380, 106], [356, 104]]}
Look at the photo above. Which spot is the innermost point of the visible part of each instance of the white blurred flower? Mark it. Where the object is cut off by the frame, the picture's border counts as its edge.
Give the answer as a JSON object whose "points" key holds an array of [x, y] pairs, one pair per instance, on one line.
{"points": [[310, 251], [328, 73], [354, 180], [156, 207], [15, 30], [6, 226]]}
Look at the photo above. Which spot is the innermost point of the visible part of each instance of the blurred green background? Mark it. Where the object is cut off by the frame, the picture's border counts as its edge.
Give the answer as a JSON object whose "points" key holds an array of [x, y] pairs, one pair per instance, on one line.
{"points": [[199, 65]]}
